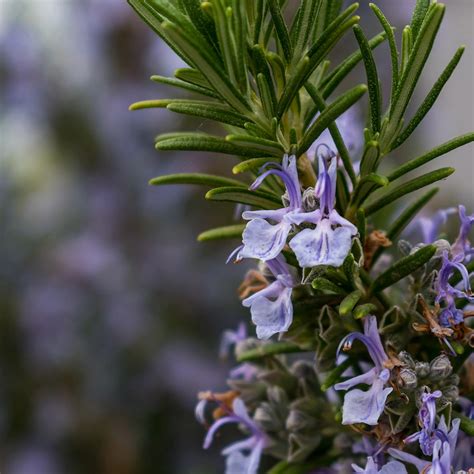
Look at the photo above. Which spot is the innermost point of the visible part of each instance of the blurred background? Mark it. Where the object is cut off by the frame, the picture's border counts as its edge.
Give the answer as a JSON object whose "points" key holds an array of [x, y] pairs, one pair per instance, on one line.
{"points": [[110, 311]]}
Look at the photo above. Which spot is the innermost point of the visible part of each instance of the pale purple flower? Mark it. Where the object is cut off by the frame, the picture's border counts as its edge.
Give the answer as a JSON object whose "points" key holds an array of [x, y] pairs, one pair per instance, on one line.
{"points": [[393, 467], [271, 308], [440, 463], [430, 226], [330, 241], [229, 339], [464, 454], [443, 451], [359, 406], [427, 419], [351, 131], [263, 239], [243, 457], [447, 293], [462, 246]]}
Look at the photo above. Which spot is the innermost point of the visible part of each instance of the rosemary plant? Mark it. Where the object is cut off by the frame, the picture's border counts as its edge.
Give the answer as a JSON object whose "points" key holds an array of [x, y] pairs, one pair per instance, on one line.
{"points": [[380, 373]]}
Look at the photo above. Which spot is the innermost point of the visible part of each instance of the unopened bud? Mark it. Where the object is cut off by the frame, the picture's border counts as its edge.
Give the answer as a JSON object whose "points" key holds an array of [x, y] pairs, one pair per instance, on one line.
{"points": [[408, 379], [440, 368]]}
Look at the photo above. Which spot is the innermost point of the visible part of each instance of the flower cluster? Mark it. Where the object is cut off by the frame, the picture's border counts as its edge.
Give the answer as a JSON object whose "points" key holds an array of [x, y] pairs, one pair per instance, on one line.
{"points": [[380, 335]]}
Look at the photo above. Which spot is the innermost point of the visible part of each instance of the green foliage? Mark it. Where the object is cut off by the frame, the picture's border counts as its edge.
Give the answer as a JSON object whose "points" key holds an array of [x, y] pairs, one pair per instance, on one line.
{"points": [[262, 71]]}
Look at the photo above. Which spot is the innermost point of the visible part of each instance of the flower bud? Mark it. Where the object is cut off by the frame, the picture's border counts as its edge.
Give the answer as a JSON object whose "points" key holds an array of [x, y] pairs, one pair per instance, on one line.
{"points": [[408, 379], [422, 369], [407, 359], [440, 368]]}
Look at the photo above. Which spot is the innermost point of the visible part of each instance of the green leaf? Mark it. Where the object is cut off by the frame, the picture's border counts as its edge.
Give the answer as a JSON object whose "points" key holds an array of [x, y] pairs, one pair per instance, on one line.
{"points": [[226, 40], [184, 85], [419, 15], [201, 21], [323, 284], [328, 115], [330, 83], [335, 133], [192, 76], [219, 233], [375, 94], [260, 199], [196, 178], [209, 110], [252, 165], [209, 67], [305, 25], [407, 45], [366, 186], [257, 143], [335, 375], [204, 142], [402, 268], [314, 57], [431, 155], [348, 303], [268, 350], [364, 310], [404, 219], [430, 98], [418, 57], [406, 188], [467, 425], [371, 157], [393, 47], [154, 21], [280, 28]]}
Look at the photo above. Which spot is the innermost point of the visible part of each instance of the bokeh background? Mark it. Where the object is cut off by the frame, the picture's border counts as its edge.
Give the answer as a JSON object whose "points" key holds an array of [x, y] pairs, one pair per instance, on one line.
{"points": [[110, 311]]}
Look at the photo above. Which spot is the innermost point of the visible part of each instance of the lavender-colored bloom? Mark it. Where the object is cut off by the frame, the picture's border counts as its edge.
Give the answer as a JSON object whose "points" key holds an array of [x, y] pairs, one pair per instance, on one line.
{"points": [[464, 454], [427, 436], [231, 338], [264, 240], [359, 406], [429, 226], [243, 457], [351, 130], [445, 291], [442, 453], [330, 241], [393, 467], [271, 308], [440, 463], [462, 246]]}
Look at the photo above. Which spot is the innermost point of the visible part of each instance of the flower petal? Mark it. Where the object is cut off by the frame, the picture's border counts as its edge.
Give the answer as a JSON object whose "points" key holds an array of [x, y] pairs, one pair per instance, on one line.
{"points": [[263, 240], [272, 317], [322, 246], [368, 378], [365, 407]]}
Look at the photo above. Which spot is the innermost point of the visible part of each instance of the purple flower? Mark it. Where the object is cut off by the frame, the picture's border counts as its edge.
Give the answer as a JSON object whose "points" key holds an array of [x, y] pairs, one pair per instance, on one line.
{"points": [[330, 241], [265, 240], [427, 436], [271, 308], [359, 406], [440, 463], [231, 338], [442, 452], [243, 457], [462, 246], [430, 226], [446, 292], [464, 454], [393, 467]]}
